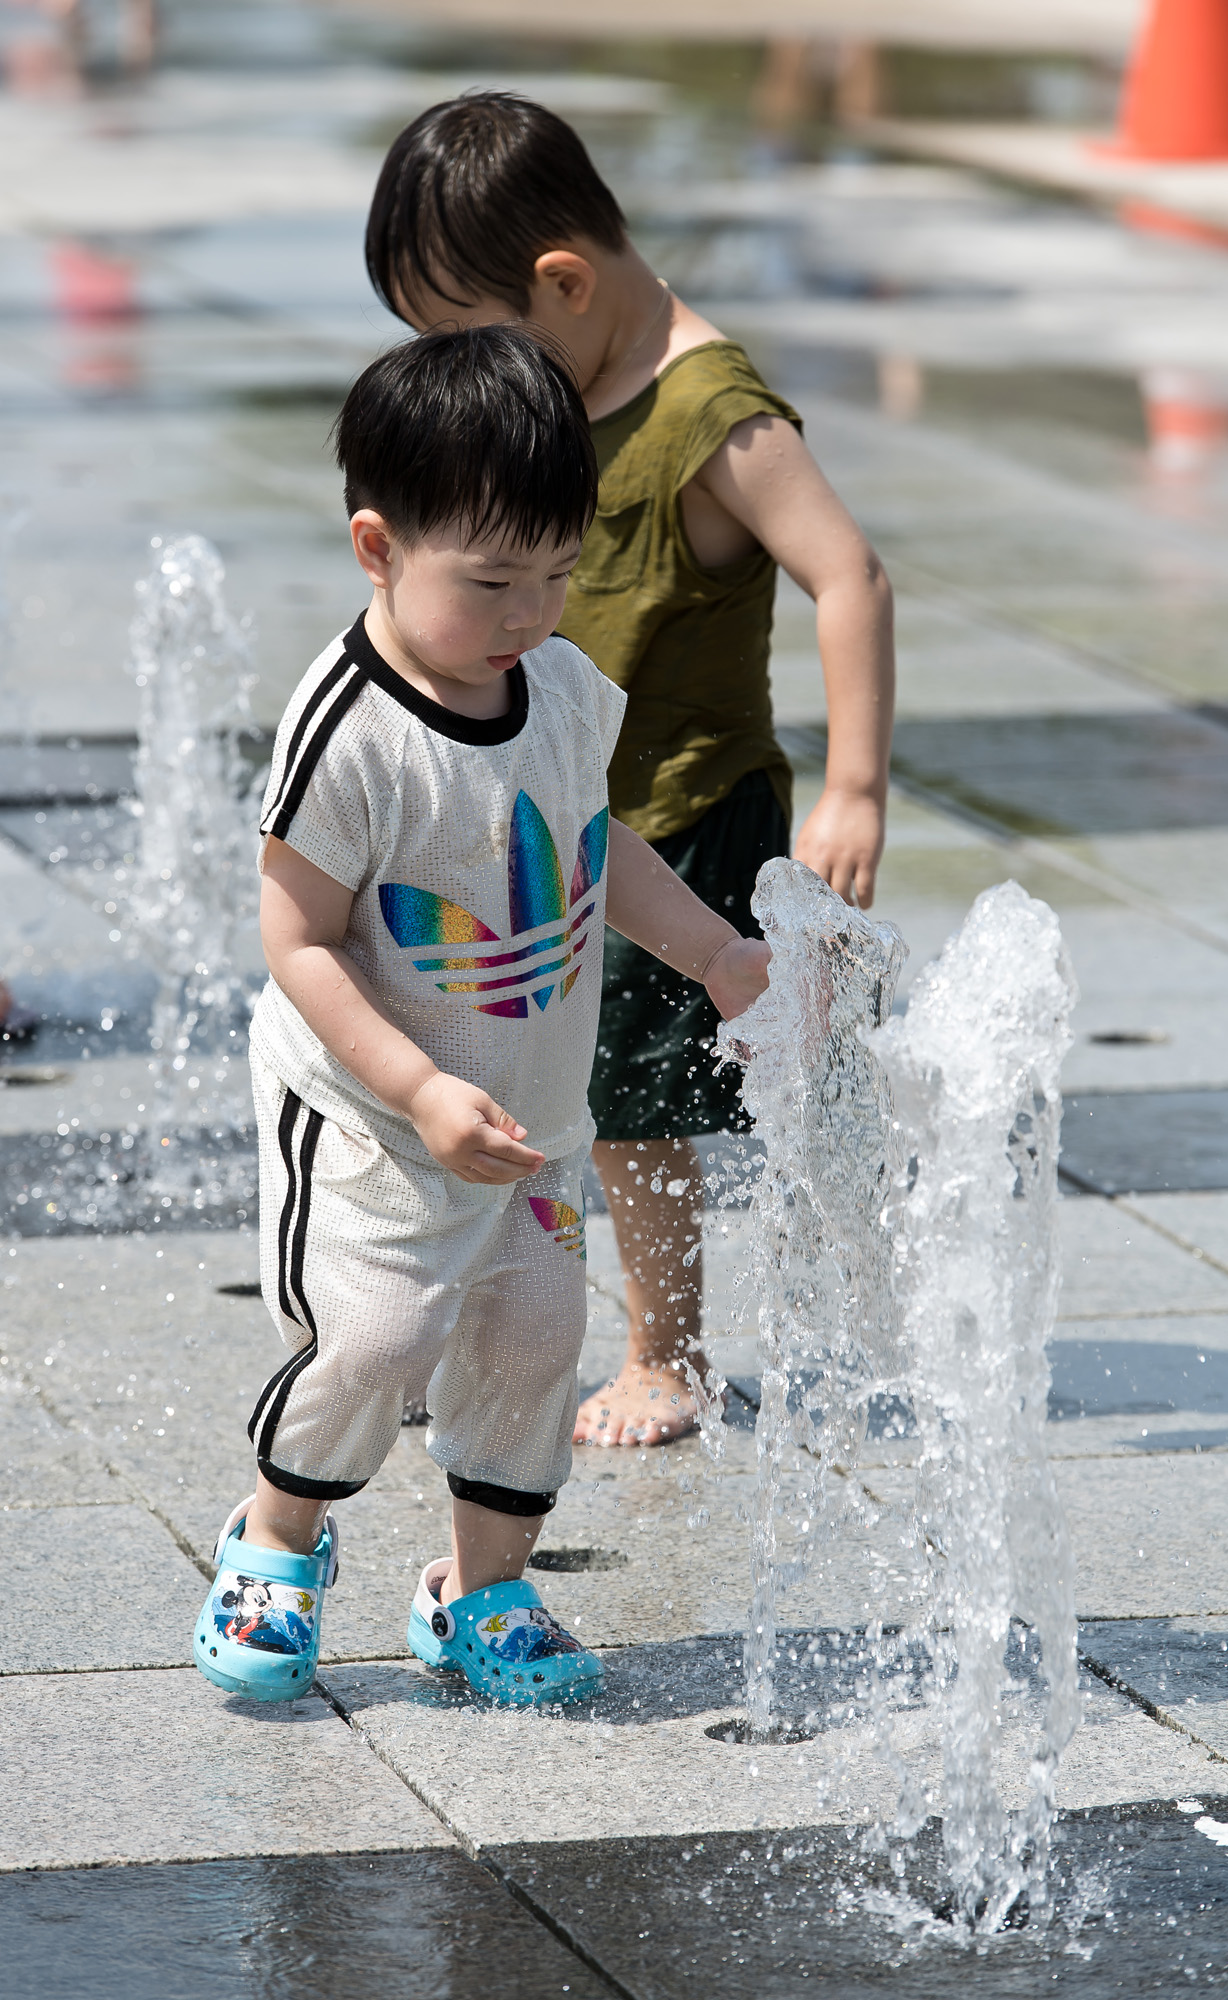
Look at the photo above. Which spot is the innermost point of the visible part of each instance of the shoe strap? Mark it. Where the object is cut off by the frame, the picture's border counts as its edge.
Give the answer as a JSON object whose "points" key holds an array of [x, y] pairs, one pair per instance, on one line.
{"points": [[334, 1549], [235, 1516]]}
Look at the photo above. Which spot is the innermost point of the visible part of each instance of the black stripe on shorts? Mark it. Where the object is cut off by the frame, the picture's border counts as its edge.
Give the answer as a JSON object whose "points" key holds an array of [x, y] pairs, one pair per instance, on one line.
{"points": [[291, 1250]]}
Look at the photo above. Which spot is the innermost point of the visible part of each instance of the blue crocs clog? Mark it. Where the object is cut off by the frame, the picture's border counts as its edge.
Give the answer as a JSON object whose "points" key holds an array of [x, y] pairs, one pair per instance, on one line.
{"points": [[503, 1640], [259, 1632]]}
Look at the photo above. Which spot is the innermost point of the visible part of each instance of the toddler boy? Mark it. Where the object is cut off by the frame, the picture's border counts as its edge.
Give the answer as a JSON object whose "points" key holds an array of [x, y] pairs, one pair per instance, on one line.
{"points": [[438, 863]]}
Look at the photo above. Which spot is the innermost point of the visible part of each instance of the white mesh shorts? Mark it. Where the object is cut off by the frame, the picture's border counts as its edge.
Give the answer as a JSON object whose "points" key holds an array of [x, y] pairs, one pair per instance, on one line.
{"points": [[392, 1281]]}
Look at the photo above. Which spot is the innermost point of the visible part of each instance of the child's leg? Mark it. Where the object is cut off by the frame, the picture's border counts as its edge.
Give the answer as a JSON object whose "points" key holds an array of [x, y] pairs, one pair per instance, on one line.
{"points": [[487, 1547], [503, 1403], [503, 1398], [660, 1243], [278, 1520]]}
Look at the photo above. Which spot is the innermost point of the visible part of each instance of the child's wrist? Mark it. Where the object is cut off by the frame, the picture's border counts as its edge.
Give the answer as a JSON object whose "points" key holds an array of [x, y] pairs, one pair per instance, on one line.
{"points": [[424, 1075], [869, 788], [731, 937]]}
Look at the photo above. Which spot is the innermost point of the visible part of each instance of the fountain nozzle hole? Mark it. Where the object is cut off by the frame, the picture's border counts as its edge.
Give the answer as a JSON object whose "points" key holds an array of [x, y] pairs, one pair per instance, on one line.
{"points": [[737, 1729]]}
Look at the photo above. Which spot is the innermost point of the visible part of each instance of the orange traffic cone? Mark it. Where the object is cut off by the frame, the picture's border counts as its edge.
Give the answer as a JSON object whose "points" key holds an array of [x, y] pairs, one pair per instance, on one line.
{"points": [[1175, 102], [1187, 417]]}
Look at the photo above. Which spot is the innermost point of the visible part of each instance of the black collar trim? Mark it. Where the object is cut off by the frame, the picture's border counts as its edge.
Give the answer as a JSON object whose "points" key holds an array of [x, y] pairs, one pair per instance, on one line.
{"points": [[444, 721]]}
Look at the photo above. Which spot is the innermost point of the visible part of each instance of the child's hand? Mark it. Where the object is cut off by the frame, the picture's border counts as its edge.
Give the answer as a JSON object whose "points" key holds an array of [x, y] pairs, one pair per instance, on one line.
{"points": [[467, 1132], [737, 975], [842, 840]]}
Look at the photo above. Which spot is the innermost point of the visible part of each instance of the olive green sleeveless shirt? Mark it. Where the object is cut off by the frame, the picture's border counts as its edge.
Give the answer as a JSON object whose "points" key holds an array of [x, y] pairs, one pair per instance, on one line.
{"points": [[689, 645]]}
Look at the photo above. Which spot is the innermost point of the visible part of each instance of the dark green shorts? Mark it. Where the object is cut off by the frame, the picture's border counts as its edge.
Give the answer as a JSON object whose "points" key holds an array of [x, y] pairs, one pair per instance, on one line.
{"points": [[653, 1075]]}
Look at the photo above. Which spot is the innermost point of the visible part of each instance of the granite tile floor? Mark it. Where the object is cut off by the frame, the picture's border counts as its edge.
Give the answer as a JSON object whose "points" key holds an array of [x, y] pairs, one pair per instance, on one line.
{"points": [[1062, 701], [390, 1776]]}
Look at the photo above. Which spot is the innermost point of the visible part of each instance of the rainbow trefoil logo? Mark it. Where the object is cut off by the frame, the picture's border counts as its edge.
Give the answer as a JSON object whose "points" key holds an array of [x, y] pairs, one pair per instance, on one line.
{"points": [[506, 980]]}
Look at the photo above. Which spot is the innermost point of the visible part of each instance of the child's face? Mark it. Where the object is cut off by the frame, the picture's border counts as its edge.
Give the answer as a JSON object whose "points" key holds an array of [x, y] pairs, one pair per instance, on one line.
{"points": [[462, 610]]}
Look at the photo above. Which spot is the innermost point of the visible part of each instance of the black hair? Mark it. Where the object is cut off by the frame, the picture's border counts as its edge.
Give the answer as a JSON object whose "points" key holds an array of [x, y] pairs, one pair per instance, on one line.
{"points": [[481, 425], [473, 192]]}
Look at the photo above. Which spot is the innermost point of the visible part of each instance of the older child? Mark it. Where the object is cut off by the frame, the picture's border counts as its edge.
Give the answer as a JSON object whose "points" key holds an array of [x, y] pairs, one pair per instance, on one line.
{"points": [[438, 863], [488, 208]]}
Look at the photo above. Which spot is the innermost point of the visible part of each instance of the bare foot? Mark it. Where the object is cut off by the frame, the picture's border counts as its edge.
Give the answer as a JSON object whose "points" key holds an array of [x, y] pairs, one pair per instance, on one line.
{"points": [[642, 1405]]}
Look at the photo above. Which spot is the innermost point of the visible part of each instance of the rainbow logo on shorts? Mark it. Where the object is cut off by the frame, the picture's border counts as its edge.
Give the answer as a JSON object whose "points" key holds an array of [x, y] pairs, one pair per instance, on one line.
{"points": [[561, 1222], [537, 902]]}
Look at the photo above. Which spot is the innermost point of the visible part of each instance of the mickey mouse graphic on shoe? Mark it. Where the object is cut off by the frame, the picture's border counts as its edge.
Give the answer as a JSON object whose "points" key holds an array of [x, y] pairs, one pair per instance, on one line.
{"points": [[277, 1619]]}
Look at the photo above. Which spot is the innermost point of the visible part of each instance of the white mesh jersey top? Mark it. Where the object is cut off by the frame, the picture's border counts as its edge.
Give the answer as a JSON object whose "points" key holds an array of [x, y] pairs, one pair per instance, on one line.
{"points": [[476, 853]]}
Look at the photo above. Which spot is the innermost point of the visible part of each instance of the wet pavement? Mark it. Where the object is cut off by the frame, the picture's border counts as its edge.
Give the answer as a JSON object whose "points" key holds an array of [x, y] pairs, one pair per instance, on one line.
{"points": [[976, 367]]}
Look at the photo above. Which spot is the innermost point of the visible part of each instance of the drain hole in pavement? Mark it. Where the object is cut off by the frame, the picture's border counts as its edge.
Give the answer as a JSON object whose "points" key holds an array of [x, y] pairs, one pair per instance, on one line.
{"points": [[249, 1289], [736, 1729], [1129, 1038], [947, 1911], [576, 1559]]}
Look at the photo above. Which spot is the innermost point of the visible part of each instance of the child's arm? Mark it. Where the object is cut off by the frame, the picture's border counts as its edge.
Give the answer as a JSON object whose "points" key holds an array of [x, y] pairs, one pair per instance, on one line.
{"points": [[303, 918], [764, 477], [653, 907]]}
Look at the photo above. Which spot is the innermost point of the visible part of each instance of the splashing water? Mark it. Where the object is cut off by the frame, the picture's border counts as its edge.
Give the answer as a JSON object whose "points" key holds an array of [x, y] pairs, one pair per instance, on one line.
{"points": [[909, 1253], [820, 1265], [975, 1068], [194, 889]]}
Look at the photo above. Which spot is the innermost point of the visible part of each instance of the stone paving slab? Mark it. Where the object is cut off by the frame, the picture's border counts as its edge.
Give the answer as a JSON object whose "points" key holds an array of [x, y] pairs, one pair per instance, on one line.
{"points": [[1205, 1332], [1137, 1368], [1112, 1262], [415, 1926], [1179, 1665], [1150, 1536], [1032, 547], [86, 1302], [1136, 973], [1200, 1220], [41, 1463], [775, 1915], [93, 1587], [955, 664], [1183, 871], [132, 1343], [504, 1776], [1058, 158], [66, 958], [1144, 1142], [1149, 1533], [1169, 1431], [1074, 777], [162, 1766]]}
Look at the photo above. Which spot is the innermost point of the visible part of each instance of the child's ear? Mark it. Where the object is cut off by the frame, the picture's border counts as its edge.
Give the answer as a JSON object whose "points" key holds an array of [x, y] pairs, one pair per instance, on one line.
{"points": [[374, 545], [568, 278]]}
